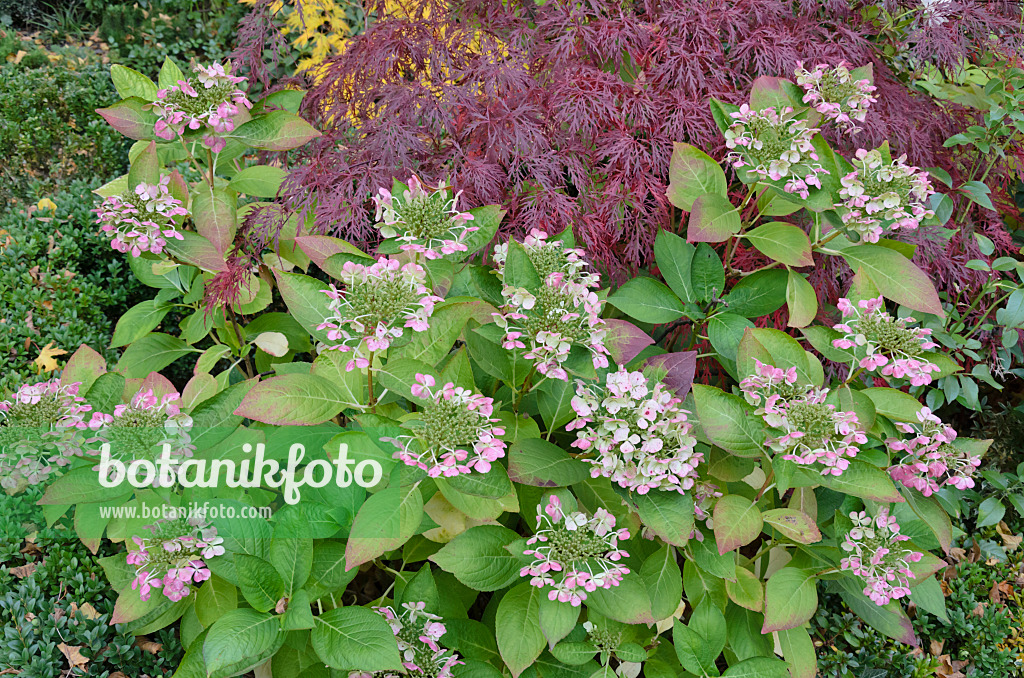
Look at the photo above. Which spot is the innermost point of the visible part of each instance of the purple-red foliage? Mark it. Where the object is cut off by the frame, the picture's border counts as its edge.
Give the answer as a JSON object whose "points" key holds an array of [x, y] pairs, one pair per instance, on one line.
{"points": [[565, 113]]}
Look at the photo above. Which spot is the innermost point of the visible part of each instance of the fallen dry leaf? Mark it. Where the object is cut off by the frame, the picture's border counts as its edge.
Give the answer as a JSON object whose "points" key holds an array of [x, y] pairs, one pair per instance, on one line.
{"points": [[87, 610], [979, 611], [73, 653], [936, 647], [147, 645], [1010, 540], [949, 669], [23, 571], [45, 362], [999, 590]]}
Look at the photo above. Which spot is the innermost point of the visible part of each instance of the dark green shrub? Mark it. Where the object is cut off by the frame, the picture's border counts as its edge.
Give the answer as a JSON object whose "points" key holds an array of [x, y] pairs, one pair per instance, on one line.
{"points": [[60, 282], [64, 602], [49, 130]]}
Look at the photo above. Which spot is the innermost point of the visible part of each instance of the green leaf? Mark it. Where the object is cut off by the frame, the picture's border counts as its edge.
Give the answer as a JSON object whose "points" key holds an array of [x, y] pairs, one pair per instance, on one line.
{"points": [[261, 181], [130, 118], [737, 522], [990, 512], [478, 558], [793, 524], [357, 639], [240, 640], [747, 591], [798, 651], [293, 399], [707, 274], [888, 619], [725, 331], [935, 517], [791, 598], [865, 481], [145, 167], [896, 277], [669, 515], [627, 603], [517, 627], [782, 242], [276, 131], [693, 173], [978, 192], [557, 619], [214, 212], [258, 581], [693, 650], [664, 581], [647, 300], [758, 294], [674, 257], [536, 462], [305, 299], [386, 521], [712, 219], [138, 321], [151, 353], [446, 324], [758, 667], [292, 555], [327, 573], [170, 74], [574, 653], [197, 251], [801, 299], [131, 83], [727, 423]]}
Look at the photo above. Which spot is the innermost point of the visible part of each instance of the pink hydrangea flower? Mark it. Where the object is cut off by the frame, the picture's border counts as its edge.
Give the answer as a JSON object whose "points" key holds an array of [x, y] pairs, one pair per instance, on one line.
{"points": [[929, 458], [574, 555], [418, 634], [877, 556], [637, 433], [376, 305], [812, 432], [175, 556], [41, 426], [210, 100], [775, 146], [883, 343], [141, 220], [142, 428], [546, 323], [426, 222], [835, 94], [879, 196], [454, 433]]}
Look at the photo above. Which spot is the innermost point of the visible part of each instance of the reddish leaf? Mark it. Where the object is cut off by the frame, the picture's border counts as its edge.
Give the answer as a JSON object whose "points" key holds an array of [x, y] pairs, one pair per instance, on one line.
{"points": [[624, 340], [128, 118]]}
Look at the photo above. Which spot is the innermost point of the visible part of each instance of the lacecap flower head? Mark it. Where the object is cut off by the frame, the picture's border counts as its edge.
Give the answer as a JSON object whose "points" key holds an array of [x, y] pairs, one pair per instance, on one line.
{"points": [[424, 221], [928, 458], [878, 340], [563, 312], [40, 427], [454, 433], [418, 634], [210, 99], [574, 555], [143, 427], [877, 556], [879, 196], [375, 306], [835, 93], [142, 219], [637, 433], [775, 145], [174, 557], [813, 432]]}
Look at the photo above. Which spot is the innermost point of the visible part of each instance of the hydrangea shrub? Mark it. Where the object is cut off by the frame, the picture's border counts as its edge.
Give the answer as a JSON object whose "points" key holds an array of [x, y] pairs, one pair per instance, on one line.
{"points": [[560, 494]]}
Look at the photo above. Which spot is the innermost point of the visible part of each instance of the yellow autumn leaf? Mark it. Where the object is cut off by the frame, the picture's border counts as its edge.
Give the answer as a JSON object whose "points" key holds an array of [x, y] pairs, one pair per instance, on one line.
{"points": [[46, 204], [46, 361]]}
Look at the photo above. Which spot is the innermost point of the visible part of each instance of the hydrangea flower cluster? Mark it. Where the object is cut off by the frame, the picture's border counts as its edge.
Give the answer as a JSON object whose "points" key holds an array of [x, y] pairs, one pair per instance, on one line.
{"points": [[930, 459], [835, 94], [882, 341], [775, 146], [573, 554], [704, 495], [426, 222], [879, 196], [813, 431], [209, 99], [174, 557], [638, 432], [876, 555], [418, 633], [141, 428], [376, 305], [563, 312], [454, 434], [40, 427], [141, 220]]}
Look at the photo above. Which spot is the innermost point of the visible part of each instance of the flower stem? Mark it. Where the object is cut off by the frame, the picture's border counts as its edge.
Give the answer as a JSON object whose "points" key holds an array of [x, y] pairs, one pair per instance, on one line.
{"points": [[371, 400]]}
